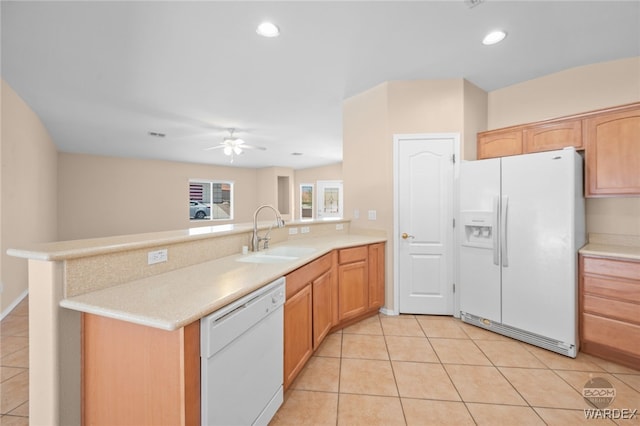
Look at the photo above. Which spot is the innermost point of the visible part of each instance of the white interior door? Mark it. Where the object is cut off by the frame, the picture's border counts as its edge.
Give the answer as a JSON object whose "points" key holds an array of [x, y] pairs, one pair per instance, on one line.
{"points": [[424, 241]]}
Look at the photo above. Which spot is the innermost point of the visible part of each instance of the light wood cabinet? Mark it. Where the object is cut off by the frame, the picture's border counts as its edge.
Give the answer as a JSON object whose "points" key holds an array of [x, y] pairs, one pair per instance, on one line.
{"points": [[554, 135], [610, 138], [132, 374], [353, 282], [610, 309], [298, 338], [330, 293], [322, 289], [499, 143], [535, 137], [308, 313], [376, 275], [613, 153]]}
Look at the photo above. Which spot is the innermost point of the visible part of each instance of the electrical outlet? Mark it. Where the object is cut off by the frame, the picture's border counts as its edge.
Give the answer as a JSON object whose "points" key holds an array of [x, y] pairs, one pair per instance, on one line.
{"points": [[339, 226], [356, 214], [157, 256], [293, 231], [304, 229]]}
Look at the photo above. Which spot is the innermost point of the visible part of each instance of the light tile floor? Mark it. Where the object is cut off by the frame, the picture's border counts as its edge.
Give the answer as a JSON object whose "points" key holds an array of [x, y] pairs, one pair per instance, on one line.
{"points": [[431, 370], [14, 366], [415, 370]]}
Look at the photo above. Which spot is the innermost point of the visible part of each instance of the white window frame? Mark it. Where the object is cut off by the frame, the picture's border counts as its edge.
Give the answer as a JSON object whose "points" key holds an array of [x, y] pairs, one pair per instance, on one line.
{"points": [[323, 185], [313, 202], [210, 202]]}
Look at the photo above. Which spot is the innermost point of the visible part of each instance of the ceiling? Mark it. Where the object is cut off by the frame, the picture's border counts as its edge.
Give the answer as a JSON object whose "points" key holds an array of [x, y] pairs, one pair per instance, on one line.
{"points": [[102, 75]]}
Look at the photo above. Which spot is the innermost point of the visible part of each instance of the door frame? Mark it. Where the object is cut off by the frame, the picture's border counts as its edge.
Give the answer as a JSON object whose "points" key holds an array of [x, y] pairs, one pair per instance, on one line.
{"points": [[397, 139]]}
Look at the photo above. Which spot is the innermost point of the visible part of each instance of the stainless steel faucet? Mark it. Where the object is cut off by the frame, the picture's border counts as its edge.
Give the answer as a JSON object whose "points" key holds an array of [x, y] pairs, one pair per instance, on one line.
{"points": [[255, 238]]}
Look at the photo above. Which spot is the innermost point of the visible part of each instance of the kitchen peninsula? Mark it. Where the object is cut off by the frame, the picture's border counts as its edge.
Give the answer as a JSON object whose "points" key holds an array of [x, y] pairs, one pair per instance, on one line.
{"points": [[110, 278]]}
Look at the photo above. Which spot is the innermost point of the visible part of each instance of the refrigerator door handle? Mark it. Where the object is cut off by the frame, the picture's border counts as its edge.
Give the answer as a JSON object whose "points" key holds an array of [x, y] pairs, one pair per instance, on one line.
{"points": [[494, 236], [503, 233]]}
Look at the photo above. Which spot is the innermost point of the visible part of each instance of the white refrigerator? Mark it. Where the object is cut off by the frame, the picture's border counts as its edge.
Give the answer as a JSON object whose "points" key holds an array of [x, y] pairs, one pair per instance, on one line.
{"points": [[522, 224]]}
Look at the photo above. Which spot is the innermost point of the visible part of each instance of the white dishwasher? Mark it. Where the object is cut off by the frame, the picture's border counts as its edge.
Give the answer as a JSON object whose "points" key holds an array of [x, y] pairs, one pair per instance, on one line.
{"points": [[241, 352]]}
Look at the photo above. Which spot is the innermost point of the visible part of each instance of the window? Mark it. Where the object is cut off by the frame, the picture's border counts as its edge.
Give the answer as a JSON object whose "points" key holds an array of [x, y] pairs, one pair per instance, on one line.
{"points": [[306, 201], [210, 200], [330, 199]]}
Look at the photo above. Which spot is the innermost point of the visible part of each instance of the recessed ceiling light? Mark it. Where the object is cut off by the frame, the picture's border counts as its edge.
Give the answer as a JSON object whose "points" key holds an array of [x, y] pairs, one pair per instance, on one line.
{"points": [[268, 29], [494, 37]]}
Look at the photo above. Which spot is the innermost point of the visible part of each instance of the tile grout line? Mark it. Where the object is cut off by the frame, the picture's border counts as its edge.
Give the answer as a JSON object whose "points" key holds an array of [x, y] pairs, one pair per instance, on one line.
{"points": [[509, 381]]}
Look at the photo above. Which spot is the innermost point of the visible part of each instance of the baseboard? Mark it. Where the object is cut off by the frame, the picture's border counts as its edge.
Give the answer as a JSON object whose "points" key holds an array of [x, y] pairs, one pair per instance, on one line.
{"points": [[389, 312], [13, 304]]}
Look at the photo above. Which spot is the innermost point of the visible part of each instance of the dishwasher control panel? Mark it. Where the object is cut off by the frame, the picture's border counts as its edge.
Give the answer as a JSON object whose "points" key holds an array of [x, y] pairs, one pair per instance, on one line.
{"points": [[222, 326]]}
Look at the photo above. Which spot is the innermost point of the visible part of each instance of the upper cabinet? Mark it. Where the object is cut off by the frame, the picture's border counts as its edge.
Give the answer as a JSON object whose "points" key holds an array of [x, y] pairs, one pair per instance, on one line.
{"points": [[613, 153], [499, 143], [535, 137], [609, 137], [555, 135]]}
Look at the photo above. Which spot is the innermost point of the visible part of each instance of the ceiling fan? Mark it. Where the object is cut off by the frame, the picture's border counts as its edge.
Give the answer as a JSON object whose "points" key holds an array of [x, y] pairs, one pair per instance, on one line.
{"points": [[232, 145]]}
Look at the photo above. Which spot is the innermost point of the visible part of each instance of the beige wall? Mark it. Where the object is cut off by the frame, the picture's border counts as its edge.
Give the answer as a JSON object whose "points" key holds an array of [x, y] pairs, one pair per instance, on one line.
{"points": [[370, 120], [27, 192], [103, 196], [475, 119], [269, 192], [569, 92]]}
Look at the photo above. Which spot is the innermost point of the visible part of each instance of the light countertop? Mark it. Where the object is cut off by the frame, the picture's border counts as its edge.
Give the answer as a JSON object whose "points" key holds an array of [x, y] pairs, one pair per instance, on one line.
{"points": [[73, 249], [610, 245], [608, 250], [174, 299]]}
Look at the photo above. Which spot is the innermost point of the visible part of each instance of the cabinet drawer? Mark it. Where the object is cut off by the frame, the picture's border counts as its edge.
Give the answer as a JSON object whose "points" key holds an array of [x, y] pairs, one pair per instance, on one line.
{"points": [[615, 334], [628, 291], [615, 309], [353, 254], [614, 268], [297, 279]]}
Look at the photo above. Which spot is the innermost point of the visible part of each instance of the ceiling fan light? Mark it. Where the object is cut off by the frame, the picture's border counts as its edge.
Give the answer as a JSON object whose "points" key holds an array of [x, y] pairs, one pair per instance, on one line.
{"points": [[237, 150], [228, 150], [494, 37], [268, 29]]}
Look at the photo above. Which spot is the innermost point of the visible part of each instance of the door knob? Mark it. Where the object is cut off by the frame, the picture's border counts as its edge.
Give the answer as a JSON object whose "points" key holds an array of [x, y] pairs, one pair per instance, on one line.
{"points": [[405, 236]]}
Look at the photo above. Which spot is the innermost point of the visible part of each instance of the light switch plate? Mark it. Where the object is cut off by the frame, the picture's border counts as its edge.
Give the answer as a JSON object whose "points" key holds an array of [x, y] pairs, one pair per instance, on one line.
{"points": [[157, 256], [339, 226], [372, 214], [304, 229]]}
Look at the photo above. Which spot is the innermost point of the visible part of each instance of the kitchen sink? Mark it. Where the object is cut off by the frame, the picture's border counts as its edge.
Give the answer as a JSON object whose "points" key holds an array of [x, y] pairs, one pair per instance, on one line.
{"points": [[277, 255]]}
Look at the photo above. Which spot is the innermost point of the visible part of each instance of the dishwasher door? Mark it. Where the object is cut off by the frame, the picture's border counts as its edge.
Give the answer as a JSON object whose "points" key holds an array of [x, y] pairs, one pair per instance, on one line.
{"points": [[242, 359]]}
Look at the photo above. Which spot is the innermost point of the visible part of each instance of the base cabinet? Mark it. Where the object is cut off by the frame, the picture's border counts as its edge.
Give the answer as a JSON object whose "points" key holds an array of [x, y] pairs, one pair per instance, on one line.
{"points": [[322, 291], [353, 282], [298, 337], [336, 290], [376, 275], [137, 375], [610, 309]]}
